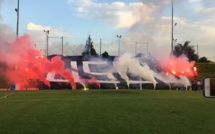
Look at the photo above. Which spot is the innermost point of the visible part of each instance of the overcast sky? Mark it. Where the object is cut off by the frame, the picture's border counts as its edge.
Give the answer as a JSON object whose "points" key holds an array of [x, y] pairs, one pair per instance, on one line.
{"points": [[138, 21]]}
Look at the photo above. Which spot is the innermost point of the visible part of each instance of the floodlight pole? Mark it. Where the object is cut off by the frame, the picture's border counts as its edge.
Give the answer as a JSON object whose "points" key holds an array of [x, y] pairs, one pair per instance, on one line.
{"points": [[119, 37], [47, 42], [17, 21], [62, 45], [100, 46], [172, 31], [61, 42]]}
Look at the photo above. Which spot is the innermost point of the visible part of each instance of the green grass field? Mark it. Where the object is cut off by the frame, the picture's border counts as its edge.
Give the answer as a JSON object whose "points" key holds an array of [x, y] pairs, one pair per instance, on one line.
{"points": [[106, 112]]}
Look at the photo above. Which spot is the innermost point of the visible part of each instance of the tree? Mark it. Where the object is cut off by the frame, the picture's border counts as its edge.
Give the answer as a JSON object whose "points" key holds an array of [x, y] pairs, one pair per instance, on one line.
{"points": [[89, 48], [203, 59], [105, 54], [187, 50]]}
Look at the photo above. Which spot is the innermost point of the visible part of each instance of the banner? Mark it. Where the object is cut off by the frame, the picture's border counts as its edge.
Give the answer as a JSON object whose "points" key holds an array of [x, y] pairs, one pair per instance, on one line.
{"points": [[86, 69]]}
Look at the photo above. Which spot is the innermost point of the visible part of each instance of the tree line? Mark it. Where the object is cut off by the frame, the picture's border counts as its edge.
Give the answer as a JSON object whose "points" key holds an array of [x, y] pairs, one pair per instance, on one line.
{"points": [[189, 51], [179, 49]]}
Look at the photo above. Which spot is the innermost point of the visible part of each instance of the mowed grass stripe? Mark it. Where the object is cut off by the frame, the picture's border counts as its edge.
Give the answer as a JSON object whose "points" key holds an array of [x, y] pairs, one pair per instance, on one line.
{"points": [[101, 94], [112, 111], [113, 94]]}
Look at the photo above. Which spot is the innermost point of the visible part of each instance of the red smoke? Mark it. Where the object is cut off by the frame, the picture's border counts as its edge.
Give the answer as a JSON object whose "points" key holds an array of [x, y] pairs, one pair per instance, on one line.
{"points": [[93, 80], [25, 63], [66, 74], [179, 66]]}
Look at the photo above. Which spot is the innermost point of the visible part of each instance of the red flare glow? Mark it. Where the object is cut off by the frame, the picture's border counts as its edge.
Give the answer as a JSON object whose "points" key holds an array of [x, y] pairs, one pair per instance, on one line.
{"points": [[195, 71], [194, 68], [173, 72], [178, 66], [67, 75], [26, 59], [93, 80]]}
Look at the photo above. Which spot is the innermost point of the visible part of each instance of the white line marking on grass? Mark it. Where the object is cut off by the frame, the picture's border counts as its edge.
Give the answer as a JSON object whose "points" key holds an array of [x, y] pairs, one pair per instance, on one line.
{"points": [[4, 97], [77, 99], [69, 99]]}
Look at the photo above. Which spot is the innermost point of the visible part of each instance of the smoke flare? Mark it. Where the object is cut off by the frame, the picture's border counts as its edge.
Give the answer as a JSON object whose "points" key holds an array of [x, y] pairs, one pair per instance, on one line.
{"points": [[26, 63]]}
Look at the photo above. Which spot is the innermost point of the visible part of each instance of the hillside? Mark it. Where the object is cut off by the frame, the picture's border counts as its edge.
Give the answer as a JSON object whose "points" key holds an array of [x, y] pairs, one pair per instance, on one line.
{"points": [[205, 70]]}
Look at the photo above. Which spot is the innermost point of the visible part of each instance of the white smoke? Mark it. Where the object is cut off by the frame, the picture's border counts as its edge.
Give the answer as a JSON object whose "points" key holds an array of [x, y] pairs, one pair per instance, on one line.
{"points": [[185, 81], [127, 63], [182, 81], [7, 34]]}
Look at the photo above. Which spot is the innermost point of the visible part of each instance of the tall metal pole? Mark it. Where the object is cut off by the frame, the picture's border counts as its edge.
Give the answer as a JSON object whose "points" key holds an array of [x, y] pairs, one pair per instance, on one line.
{"points": [[172, 31], [118, 47], [17, 21], [62, 41], [47, 44], [119, 37], [47, 41], [17, 35], [197, 49], [100, 46], [62, 45]]}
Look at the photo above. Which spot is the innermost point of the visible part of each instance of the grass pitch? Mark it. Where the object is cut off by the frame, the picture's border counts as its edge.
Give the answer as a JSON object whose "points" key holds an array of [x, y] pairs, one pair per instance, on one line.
{"points": [[105, 112]]}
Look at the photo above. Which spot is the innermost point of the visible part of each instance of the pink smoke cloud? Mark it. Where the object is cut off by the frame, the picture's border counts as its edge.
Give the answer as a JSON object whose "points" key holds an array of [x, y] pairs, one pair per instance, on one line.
{"points": [[26, 63]]}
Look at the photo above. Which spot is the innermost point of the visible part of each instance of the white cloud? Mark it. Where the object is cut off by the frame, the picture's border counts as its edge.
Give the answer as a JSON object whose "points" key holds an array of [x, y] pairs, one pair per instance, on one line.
{"points": [[209, 13], [7, 34], [34, 27], [37, 34], [52, 31], [146, 22], [117, 14], [194, 1], [200, 32]]}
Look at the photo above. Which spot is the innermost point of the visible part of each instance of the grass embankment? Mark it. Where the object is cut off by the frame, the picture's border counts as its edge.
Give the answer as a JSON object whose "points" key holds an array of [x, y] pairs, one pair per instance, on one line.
{"points": [[205, 70], [106, 112]]}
